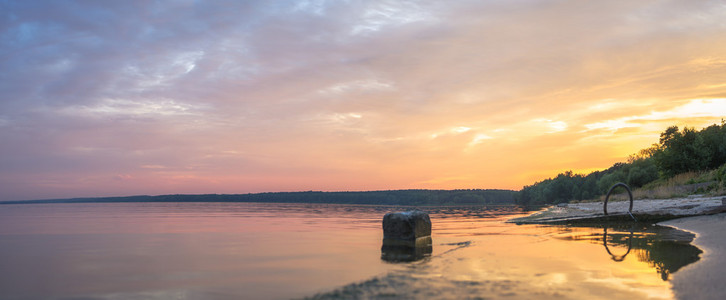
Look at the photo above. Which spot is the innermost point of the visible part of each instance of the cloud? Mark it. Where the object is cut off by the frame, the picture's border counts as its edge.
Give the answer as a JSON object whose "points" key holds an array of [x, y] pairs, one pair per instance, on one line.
{"points": [[479, 138], [357, 85], [696, 108], [122, 107], [550, 126], [379, 16], [344, 94]]}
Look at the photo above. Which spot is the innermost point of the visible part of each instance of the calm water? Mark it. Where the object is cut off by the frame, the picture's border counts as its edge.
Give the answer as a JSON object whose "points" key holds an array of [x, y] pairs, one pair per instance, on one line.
{"points": [[282, 251]]}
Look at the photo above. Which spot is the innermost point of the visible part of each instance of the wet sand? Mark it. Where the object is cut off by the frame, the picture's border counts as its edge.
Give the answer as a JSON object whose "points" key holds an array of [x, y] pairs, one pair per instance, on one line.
{"points": [[704, 279]]}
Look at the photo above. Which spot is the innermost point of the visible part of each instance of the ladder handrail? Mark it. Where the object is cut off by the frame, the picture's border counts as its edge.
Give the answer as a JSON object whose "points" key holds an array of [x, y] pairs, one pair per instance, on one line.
{"points": [[627, 188]]}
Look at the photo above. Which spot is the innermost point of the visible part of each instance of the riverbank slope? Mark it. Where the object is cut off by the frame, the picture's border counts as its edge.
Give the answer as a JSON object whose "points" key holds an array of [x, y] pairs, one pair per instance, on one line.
{"points": [[703, 279]]}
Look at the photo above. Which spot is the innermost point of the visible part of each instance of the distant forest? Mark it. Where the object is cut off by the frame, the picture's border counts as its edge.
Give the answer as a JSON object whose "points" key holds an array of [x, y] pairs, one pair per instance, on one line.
{"points": [[394, 197], [678, 151]]}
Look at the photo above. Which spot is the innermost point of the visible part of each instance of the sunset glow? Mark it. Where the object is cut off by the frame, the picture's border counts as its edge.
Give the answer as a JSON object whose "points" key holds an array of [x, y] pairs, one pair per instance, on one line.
{"points": [[128, 98]]}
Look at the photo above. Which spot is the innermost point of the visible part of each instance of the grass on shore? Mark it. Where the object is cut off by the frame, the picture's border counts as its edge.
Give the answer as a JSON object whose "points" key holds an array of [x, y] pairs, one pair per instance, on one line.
{"points": [[710, 183]]}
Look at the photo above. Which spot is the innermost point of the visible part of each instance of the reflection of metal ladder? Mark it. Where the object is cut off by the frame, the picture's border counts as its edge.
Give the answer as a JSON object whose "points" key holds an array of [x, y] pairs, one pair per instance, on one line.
{"points": [[630, 194], [605, 243], [605, 230]]}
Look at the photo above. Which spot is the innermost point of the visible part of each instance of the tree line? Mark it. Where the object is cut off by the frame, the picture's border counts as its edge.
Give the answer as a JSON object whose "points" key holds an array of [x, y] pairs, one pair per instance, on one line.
{"points": [[391, 197], [677, 152]]}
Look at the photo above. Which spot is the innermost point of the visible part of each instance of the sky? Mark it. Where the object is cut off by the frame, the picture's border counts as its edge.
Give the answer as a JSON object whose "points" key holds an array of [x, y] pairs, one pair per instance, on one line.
{"points": [[115, 98]]}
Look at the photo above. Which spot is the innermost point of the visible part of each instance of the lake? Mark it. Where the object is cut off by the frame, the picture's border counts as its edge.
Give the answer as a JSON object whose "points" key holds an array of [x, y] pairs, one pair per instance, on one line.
{"points": [[322, 251]]}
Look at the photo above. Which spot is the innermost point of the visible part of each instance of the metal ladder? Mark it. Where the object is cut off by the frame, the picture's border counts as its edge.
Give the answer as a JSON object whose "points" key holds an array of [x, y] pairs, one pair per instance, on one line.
{"points": [[630, 194]]}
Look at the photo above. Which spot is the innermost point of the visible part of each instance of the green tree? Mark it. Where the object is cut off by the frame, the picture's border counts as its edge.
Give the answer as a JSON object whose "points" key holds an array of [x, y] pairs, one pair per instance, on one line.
{"points": [[681, 151], [641, 172], [714, 139]]}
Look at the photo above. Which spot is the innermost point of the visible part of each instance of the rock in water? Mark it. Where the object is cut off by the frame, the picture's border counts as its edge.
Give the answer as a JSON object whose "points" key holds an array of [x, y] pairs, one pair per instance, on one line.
{"points": [[406, 236], [406, 227]]}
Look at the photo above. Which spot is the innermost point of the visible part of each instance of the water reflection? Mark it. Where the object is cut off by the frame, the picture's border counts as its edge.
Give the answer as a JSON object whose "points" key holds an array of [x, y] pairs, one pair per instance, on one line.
{"points": [[479, 256], [250, 251], [617, 258], [402, 253], [474, 212], [664, 249]]}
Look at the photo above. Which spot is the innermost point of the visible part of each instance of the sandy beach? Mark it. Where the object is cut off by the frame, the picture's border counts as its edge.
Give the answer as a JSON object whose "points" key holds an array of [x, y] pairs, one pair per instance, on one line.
{"points": [[703, 279]]}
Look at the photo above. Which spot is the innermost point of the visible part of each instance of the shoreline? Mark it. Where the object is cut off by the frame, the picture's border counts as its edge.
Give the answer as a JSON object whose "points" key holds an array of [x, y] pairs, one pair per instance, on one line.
{"points": [[643, 210], [703, 279], [703, 216]]}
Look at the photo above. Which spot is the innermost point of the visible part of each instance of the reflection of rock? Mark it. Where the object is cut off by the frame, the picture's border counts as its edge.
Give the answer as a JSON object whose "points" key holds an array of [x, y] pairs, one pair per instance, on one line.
{"points": [[396, 253], [406, 236]]}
